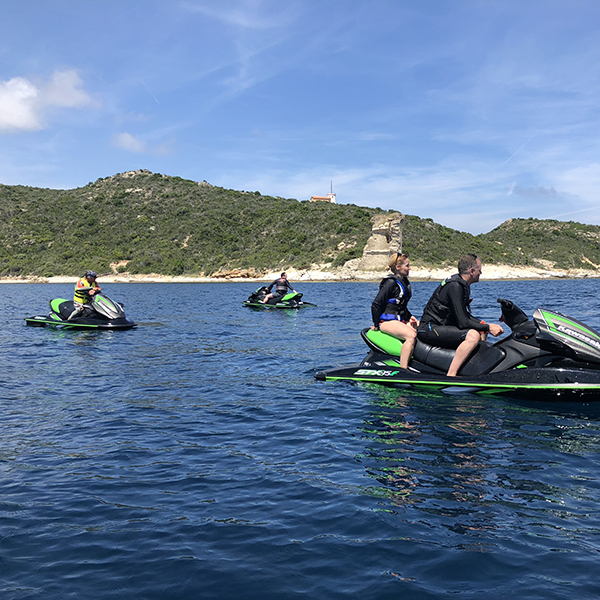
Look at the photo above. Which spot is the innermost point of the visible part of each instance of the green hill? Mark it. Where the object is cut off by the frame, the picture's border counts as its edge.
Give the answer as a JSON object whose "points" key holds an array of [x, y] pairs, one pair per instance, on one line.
{"points": [[154, 223], [522, 242], [171, 226], [566, 245]]}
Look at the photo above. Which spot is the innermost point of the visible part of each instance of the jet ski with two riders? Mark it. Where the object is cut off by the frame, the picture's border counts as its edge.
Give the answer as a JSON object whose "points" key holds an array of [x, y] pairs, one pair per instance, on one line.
{"points": [[548, 357]]}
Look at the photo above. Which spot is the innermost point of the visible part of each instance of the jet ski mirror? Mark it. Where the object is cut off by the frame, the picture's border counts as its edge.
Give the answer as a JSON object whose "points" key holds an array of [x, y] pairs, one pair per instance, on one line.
{"points": [[512, 315]]}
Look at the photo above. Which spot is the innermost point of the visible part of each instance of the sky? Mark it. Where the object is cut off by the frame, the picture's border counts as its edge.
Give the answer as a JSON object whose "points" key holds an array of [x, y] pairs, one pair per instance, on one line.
{"points": [[468, 112]]}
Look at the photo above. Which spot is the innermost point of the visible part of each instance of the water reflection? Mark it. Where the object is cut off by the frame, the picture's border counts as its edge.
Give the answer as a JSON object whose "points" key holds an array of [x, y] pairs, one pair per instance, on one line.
{"points": [[473, 465]]}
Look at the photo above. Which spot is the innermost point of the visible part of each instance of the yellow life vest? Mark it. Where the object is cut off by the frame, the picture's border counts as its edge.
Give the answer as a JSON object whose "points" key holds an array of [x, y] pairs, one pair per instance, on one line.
{"points": [[82, 286]]}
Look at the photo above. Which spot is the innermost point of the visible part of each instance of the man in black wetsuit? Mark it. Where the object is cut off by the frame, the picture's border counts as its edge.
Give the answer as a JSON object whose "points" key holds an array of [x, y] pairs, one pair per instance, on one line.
{"points": [[447, 321], [281, 287]]}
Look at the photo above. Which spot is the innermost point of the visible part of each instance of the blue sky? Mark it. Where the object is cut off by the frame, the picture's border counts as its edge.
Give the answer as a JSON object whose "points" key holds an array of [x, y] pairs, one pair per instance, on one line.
{"points": [[468, 112]]}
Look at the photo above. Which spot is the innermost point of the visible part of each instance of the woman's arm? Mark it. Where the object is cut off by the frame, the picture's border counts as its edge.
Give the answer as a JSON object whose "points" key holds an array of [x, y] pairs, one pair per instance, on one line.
{"points": [[378, 305]]}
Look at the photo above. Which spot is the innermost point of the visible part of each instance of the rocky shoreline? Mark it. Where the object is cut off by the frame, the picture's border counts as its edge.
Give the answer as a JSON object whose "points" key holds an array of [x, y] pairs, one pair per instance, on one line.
{"points": [[342, 274]]}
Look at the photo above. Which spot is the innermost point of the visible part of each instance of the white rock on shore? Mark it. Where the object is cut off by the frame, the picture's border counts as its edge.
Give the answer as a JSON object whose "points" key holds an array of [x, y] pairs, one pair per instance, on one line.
{"points": [[318, 273]]}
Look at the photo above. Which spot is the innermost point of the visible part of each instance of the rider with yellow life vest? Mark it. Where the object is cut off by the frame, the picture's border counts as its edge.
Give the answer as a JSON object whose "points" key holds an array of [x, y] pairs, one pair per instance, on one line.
{"points": [[85, 288]]}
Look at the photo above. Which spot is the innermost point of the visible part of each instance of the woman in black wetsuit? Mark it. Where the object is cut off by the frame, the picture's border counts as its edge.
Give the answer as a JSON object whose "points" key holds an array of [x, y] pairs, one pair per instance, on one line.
{"points": [[390, 308]]}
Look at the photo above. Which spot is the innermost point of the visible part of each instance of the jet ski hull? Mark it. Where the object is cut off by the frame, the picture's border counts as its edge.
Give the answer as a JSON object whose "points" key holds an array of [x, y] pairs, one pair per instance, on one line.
{"points": [[40, 321], [528, 384], [277, 305]]}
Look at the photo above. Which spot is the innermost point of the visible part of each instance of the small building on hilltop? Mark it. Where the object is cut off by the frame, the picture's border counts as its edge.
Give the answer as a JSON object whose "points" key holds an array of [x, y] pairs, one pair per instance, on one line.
{"points": [[329, 198]]}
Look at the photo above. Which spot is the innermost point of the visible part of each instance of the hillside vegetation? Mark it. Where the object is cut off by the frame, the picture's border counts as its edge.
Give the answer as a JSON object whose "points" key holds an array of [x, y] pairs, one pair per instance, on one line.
{"points": [[170, 225], [519, 242], [152, 223]]}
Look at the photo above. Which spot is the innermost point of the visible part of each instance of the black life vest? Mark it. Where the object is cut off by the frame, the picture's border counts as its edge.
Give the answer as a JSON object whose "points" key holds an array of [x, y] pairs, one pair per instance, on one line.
{"points": [[281, 285], [401, 295], [438, 312]]}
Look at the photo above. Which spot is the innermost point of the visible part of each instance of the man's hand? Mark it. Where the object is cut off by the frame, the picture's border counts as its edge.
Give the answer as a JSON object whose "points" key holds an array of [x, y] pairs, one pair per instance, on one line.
{"points": [[496, 330]]}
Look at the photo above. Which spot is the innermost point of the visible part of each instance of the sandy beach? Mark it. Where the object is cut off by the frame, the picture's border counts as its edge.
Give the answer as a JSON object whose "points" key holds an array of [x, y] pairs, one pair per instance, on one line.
{"points": [[490, 272]]}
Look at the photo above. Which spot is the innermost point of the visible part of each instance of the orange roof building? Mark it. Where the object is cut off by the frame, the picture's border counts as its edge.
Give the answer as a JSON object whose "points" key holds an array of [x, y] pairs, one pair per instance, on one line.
{"points": [[328, 198]]}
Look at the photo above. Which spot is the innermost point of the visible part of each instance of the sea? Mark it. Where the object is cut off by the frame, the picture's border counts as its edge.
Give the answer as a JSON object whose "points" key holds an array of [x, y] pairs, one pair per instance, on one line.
{"points": [[196, 457]]}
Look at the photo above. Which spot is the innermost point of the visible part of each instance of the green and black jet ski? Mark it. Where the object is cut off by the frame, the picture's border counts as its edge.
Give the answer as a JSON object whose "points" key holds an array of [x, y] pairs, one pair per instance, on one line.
{"points": [[100, 313], [291, 300], [548, 357]]}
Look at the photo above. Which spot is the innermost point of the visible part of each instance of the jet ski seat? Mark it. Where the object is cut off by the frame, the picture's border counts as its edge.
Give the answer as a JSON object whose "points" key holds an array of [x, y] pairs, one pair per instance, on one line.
{"points": [[66, 308], [483, 360]]}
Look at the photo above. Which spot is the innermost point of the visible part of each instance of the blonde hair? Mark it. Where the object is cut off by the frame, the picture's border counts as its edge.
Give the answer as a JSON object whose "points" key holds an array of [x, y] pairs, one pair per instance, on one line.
{"points": [[396, 259]]}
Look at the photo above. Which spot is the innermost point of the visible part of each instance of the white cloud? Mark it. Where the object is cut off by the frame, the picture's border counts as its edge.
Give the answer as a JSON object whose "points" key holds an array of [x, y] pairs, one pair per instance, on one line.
{"points": [[18, 98], [65, 90], [126, 141], [23, 104]]}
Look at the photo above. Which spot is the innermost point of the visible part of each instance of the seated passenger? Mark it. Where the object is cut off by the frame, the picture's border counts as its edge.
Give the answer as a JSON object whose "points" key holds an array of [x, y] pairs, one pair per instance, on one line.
{"points": [[389, 309], [447, 321]]}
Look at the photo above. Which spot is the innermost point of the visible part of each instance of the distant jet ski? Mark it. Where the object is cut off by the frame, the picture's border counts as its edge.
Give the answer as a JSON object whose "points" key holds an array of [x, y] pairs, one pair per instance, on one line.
{"points": [[100, 313], [291, 300], [549, 357]]}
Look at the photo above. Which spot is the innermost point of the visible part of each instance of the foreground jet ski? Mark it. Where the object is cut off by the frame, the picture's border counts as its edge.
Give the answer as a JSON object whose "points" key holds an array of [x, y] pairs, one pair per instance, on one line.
{"points": [[291, 300], [550, 357], [100, 313]]}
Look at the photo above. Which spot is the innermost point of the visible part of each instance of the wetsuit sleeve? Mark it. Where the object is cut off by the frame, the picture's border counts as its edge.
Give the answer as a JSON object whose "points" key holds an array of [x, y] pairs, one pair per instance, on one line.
{"points": [[378, 305], [464, 320], [270, 287]]}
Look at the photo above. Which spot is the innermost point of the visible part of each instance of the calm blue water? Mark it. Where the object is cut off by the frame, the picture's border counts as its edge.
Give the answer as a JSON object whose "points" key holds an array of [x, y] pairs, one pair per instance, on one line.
{"points": [[197, 457]]}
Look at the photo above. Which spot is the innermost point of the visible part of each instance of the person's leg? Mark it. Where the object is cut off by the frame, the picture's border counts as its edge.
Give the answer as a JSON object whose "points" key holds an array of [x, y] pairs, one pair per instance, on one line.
{"points": [[404, 332], [275, 297], [78, 310], [463, 352]]}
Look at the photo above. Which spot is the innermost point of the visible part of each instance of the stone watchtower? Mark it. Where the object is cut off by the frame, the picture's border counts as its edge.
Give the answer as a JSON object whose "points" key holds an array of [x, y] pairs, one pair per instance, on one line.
{"points": [[385, 240]]}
